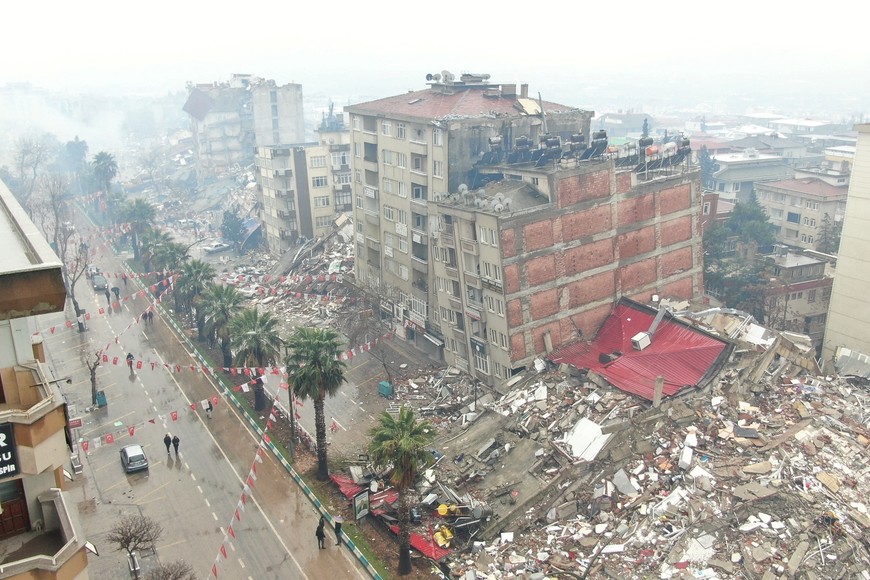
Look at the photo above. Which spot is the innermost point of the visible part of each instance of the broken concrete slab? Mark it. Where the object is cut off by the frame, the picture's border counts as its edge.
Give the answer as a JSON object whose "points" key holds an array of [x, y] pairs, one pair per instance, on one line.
{"points": [[758, 468]]}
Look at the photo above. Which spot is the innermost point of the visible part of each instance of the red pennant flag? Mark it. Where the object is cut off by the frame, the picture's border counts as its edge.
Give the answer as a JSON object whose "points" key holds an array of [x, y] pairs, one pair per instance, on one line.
{"points": [[85, 445], [138, 364], [266, 438], [237, 389], [166, 282], [247, 371], [193, 406], [154, 287], [193, 368], [174, 415], [115, 361], [261, 371], [141, 293], [206, 370], [87, 315], [110, 439], [269, 424], [153, 364], [214, 400], [214, 570], [231, 531], [152, 421], [238, 515], [283, 279], [105, 358], [283, 386], [69, 323], [52, 329], [131, 430], [298, 402], [224, 551], [276, 371], [298, 416], [233, 372]]}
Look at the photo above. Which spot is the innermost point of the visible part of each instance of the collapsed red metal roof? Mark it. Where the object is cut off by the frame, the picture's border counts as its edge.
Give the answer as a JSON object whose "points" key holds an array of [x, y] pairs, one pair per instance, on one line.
{"points": [[682, 354]]}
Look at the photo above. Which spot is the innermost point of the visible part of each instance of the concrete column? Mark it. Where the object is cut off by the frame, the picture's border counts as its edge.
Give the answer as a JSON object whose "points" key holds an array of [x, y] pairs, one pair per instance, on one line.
{"points": [[657, 395]]}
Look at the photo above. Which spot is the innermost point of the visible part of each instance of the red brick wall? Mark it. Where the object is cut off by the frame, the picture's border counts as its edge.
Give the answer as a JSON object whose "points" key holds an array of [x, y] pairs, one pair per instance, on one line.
{"points": [[537, 236], [544, 303], [675, 261], [676, 198], [636, 209], [540, 270], [588, 256], [676, 230], [623, 182], [591, 289], [577, 188], [514, 312], [586, 223], [682, 288], [637, 242], [512, 278], [508, 243], [538, 336], [637, 274], [518, 346]]}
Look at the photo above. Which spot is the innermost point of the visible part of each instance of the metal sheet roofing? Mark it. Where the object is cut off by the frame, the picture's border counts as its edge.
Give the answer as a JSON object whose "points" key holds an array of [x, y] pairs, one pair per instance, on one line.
{"points": [[682, 354]]}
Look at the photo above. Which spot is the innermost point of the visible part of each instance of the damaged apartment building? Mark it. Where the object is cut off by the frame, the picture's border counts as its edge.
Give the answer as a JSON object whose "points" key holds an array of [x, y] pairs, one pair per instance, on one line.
{"points": [[497, 229]]}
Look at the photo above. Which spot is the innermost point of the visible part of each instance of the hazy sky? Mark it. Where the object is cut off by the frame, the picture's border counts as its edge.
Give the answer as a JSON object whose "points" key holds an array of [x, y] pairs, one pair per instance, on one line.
{"points": [[375, 49]]}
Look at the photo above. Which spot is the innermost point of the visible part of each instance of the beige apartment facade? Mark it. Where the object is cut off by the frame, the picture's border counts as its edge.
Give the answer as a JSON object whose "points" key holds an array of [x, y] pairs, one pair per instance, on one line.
{"points": [[848, 322], [410, 149], [303, 188]]}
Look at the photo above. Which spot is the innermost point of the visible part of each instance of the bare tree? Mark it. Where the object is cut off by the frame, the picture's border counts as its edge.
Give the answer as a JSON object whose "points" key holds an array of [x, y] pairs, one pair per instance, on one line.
{"points": [[364, 324], [30, 156], [150, 161], [92, 370], [133, 533], [176, 570]]}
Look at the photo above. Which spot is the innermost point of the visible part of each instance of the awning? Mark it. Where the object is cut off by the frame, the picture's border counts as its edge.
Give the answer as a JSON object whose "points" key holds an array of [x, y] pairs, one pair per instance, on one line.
{"points": [[433, 340]]}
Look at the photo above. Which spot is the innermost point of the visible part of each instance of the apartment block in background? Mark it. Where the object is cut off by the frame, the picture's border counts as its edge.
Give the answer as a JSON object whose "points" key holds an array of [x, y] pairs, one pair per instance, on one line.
{"points": [[40, 536], [304, 187], [229, 120]]}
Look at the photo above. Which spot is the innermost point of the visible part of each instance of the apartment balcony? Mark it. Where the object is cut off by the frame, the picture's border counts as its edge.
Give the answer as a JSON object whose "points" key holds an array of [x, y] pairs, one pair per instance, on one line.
{"points": [[469, 247], [472, 279], [489, 284], [57, 551], [419, 147], [372, 217]]}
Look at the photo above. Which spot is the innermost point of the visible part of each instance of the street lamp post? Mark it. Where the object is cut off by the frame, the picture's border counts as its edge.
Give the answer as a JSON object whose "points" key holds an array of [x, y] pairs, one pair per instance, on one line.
{"points": [[292, 402]]}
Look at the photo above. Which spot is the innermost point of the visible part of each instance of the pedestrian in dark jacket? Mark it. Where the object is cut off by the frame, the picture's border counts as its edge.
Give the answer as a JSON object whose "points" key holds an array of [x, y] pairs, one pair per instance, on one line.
{"points": [[167, 441], [175, 442], [321, 535], [108, 296]]}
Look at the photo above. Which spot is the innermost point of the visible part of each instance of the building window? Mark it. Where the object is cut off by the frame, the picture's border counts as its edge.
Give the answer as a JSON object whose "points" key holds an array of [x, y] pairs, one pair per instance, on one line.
{"points": [[388, 157], [492, 271], [811, 295], [323, 221], [493, 336], [318, 161], [343, 197], [706, 209], [400, 130], [826, 293], [388, 239], [402, 192], [386, 128], [481, 361], [389, 213], [495, 305], [436, 137], [418, 163], [402, 216], [343, 178], [417, 191], [403, 243], [355, 123], [357, 150], [357, 176], [735, 187], [340, 158], [401, 160], [322, 201], [319, 182], [359, 202], [503, 340], [403, 274], [794, 218], [438, 169], [388, 185]]}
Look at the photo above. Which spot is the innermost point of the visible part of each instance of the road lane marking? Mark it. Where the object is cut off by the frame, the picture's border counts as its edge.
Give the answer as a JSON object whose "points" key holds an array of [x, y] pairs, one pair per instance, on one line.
{"points": [[114, 485], [184, 541], [141, 503], [214, 515], [242, 564], [154, 490], [199, 488], [192, 476], [230, 463], [206, 502]]}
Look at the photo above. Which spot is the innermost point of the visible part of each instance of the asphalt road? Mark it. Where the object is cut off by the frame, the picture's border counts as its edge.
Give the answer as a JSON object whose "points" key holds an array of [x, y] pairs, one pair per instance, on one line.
{"points": [[192, 495]]}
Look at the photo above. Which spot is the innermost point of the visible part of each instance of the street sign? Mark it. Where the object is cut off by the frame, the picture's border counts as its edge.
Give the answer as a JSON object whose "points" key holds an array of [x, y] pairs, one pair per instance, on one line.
{"points": [[8, 452], [75, 423]]}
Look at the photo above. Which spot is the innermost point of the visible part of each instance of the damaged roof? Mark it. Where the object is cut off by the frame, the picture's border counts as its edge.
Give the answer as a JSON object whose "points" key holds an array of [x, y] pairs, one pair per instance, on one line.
{"points": [[684, 355], [198, 104]]}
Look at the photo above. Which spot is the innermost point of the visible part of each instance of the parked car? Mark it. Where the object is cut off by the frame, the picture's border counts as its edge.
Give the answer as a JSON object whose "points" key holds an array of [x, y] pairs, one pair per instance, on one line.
{"points": [[99, 282], [91, 270], [217, 247], [133, 458]]}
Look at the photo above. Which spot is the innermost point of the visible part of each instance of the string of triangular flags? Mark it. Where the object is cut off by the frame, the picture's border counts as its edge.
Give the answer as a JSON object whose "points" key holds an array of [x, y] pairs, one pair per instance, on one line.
{"points": [[247, 490], [110, 437]]}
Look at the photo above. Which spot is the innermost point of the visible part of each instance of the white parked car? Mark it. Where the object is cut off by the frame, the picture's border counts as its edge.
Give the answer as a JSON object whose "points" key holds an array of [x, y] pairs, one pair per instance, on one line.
{"points": [[217, 247]]}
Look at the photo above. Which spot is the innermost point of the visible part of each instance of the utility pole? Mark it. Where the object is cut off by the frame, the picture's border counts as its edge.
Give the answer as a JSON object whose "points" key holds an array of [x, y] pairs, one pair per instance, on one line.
{"points": [[292, 405]]}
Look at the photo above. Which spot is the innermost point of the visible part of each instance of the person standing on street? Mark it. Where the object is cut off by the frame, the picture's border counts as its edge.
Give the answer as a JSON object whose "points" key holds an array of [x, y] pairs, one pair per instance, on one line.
{"points": [[124, 278], [175, 442], [338, 521], [321, 535], [209, 409], [168, 441], [108, 296]]}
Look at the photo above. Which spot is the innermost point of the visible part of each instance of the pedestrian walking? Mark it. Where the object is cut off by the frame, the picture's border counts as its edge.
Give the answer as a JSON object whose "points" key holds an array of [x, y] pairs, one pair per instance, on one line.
{"points": [[167, 441], [151, 317], [130, 358], [108, 297], [175, 442], [209, 409], [117, 292], [124, 278], [338, 521], [321, 535]]}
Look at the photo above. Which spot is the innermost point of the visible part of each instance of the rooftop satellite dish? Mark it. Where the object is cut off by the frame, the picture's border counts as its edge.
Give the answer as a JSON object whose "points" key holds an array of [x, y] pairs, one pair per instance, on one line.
{"points": [[463, 188], [498, 207]]}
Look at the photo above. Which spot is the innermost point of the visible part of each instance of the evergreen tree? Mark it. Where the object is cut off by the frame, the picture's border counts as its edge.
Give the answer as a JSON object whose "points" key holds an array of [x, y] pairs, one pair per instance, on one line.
{"points": [[828, 237]]}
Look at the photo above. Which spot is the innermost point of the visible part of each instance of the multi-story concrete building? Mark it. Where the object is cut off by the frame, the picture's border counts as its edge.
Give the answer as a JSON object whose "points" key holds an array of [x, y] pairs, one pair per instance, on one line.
{"points": [[303, 187], [40, 536], [848, 324], [409, 148], [228, 120], [738, 173], [798, 207], [535, 259]]}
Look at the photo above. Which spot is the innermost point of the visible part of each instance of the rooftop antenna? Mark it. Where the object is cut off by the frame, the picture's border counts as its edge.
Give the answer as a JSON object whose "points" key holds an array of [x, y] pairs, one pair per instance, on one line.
{"points": [[543, 116]]}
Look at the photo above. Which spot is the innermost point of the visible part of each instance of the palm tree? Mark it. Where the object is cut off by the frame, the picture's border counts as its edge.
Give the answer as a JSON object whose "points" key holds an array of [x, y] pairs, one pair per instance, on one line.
{"points": [[195, 278], [149, 245], [140, 215], [255, 337], [220, 304], [105, 169], [313, 372], [401, 442], [170, 255]]}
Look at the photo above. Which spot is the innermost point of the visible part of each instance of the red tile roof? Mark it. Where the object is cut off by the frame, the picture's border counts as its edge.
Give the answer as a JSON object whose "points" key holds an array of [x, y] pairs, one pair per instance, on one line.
{"points": [[433, 104], [808, 185], [682, 354]]}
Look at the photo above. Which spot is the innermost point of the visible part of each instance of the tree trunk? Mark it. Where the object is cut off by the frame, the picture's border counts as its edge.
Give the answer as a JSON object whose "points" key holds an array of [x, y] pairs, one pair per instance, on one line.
{"points": [[200, 326], [228, 355], [404, 534], [80, 319], [320, 432]]}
